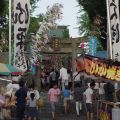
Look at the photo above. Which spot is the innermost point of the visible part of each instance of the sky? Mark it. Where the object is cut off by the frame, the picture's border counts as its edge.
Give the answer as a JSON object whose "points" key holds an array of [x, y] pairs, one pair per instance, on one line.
{"points": [[70, 13]]}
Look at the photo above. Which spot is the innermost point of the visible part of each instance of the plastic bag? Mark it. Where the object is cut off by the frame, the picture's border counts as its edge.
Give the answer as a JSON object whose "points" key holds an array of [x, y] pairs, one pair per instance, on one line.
{"points": [[40, 103]]}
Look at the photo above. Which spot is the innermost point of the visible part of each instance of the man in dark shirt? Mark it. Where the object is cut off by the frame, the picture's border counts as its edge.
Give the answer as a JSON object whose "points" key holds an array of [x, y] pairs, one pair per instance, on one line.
{"points": [[78, 96], [21, 95]]}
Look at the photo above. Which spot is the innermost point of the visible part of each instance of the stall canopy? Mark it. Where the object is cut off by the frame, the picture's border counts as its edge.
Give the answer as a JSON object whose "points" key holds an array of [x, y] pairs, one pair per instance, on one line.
{"points": [[98, 67], [6, 69]]}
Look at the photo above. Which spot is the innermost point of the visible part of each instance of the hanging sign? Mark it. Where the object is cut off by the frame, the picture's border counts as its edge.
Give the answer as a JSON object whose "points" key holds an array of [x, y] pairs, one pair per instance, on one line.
{"points": [[21, 24], [99, 67]]}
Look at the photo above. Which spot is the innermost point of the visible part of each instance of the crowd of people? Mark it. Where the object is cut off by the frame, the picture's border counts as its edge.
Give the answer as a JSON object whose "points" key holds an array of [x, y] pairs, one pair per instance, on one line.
{"points": [[63, 77], [60, 84], [18, 101]]}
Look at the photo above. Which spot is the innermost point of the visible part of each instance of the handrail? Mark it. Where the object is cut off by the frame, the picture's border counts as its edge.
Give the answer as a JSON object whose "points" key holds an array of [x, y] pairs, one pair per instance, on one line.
{"points": [[114, 104]]}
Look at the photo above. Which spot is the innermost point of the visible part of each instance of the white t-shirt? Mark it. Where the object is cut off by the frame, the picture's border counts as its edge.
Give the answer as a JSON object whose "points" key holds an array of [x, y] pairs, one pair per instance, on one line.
{"points": [[37, 96], [88, 93], [63, 74], [76, 76]]}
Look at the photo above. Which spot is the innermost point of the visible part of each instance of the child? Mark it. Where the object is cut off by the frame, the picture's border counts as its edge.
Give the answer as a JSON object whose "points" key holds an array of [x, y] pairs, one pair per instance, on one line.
{"points": [[53, 96], [32, 110], [66, 95]]}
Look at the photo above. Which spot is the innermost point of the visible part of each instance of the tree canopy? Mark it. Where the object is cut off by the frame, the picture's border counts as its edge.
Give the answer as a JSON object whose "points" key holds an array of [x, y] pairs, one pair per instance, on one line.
{"points": [[95, 9], [96, 19], [2, 7]]}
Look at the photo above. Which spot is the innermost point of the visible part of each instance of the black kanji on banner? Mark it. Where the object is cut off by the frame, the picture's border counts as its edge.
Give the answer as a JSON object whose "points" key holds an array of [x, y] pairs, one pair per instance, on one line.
{"points": [[18, 17]]}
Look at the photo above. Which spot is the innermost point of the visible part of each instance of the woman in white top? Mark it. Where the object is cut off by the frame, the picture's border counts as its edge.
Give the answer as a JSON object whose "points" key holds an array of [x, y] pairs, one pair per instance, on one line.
{"points": [[32, 90]]}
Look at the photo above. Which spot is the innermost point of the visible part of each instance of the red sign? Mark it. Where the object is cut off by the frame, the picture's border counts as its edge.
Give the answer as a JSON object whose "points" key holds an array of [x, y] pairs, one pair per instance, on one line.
{"points": [[99, 67]]}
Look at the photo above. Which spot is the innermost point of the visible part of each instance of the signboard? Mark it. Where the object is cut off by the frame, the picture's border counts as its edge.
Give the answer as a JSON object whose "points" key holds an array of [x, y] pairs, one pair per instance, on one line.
{"points": [[115, 28], [56, 44], [21, 24], [99, 67]]}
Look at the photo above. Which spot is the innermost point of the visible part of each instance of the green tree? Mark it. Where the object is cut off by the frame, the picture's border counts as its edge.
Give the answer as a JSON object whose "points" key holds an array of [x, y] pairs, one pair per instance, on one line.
{"points": [[33, 5], [3, 7], [84, 24], [34, 25], [96, 11], [96, 8]]}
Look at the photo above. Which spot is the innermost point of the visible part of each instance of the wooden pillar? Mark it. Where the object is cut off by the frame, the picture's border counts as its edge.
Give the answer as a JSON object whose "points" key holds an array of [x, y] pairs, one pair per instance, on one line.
{"points": [[74, 54]]}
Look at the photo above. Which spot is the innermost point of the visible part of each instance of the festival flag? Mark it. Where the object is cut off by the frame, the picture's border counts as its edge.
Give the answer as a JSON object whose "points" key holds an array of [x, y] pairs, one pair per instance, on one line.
{"points": [[92, 45], [115, 28], [21, 24]]}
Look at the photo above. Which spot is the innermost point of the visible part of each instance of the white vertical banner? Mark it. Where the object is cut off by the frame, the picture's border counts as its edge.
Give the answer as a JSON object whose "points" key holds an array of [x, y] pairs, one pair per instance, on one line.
{"points": [[114, 28], [21, 24]]}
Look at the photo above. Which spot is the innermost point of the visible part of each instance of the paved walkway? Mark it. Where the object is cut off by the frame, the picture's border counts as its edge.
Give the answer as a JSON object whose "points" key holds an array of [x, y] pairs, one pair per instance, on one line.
{"points": [[45, 113]]}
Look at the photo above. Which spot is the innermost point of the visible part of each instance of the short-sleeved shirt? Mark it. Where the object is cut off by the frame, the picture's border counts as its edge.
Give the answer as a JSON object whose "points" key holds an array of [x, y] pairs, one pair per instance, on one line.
{"points": [[66, 93], [32, 103], [21, 95], [37, 96], [88, 93], [54, 93], [76, 76], [63, 74]]}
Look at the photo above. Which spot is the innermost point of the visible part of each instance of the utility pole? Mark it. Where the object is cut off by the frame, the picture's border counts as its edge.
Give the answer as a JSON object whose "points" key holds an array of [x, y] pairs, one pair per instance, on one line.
{"points": [[10, 10]]}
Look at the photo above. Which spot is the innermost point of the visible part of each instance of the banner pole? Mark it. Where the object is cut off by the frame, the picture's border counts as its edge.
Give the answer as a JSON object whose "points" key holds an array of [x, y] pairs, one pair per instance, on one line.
{"points": [[109, 32], [10, 31]]}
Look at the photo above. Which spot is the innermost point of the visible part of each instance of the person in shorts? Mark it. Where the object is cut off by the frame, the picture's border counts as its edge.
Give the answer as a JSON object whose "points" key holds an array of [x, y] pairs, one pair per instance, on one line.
{"points": [[88, 96], [78, 97], [53, 97], [33, 108], [21, 96], [66, 96]]}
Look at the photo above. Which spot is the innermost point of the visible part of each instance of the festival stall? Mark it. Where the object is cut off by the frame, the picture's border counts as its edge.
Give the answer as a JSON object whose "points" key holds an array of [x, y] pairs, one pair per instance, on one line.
{"points": [[108, 70], [8, 70]]}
